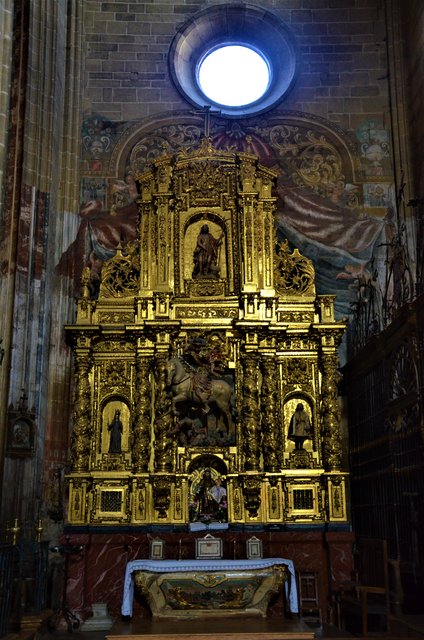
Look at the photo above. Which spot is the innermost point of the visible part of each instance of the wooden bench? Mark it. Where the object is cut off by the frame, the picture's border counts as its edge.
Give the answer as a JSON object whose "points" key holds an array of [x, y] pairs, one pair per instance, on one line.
{"points": [[365, 599]]}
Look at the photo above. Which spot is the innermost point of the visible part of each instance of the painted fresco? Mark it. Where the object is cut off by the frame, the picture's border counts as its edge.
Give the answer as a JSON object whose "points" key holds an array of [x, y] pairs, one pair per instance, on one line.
{"points": [[328, 205]]}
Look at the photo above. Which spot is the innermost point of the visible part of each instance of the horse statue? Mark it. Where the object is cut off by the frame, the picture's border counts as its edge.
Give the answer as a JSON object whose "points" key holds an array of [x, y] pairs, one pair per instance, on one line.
{"points": [[198, 388]]}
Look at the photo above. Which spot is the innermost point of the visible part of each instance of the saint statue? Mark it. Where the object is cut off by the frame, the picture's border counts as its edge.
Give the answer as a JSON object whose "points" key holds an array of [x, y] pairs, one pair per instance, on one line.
{"points": [[115, 429], [300, 427], [206, 254], [210, 499]]}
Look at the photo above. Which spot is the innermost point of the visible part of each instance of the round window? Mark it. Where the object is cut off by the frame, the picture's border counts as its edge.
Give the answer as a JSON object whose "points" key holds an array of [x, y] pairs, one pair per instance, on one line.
{"points": [[239, 59], [233, 75]]}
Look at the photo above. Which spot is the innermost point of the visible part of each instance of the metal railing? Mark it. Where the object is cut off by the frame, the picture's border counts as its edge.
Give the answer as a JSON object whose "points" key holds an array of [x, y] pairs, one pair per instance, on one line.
{"points": [[23, 581]]}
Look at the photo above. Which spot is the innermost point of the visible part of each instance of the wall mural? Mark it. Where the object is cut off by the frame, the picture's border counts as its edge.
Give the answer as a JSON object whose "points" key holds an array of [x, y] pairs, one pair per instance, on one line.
{"points": [[335, 194]]}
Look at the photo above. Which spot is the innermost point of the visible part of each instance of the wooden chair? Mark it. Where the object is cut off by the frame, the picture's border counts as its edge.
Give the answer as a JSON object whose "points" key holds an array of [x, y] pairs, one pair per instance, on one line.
{"points": [[366, 598], [308, 597]]}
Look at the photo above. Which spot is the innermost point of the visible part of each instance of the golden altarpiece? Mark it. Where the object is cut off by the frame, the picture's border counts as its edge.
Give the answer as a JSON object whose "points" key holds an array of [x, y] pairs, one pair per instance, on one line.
{"points": [[206, 366]]}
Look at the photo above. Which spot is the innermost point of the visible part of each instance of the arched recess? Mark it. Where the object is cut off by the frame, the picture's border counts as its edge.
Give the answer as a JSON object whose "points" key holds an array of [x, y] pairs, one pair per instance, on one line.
{"points": [[192, 228], [290, 405], [109, 407], [207, 490]]}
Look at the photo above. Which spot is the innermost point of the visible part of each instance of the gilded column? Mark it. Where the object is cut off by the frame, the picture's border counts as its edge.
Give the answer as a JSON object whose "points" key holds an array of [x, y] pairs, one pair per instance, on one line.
{"points": [[330, 414], [81, 415], [251, 413], [269, 411], [163, 417], [142, 416]]}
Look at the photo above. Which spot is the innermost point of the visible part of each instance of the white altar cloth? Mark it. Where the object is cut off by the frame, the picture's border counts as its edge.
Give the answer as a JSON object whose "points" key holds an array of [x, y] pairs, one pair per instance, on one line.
{"points": [[169, 566]]}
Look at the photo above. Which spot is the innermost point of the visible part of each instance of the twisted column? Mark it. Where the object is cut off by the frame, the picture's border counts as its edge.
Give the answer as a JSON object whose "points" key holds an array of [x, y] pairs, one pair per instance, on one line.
{"points": [[250, 413], [269, 412], [163, 416], [330, 414], [141, 446], [81, 414]]}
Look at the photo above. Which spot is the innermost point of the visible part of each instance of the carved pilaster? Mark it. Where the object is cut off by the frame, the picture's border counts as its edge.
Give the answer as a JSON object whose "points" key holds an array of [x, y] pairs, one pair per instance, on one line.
{"points": [[250, 413], [161, 494], [163, 417], [81, 415], [142, 416], [330, 414], [252, 494], [269, 411]]}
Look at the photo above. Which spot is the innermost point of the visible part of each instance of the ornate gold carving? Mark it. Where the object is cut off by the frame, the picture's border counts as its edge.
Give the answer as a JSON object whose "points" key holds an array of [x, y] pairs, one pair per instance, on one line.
{"points": [[330, 413], [249, 323], [114, 374], [163, 417], [293, 273], [209, 579], [252, 494], [121, 274], [81, 415], [296, 317], [250, 412], [237, 503], [274, 502], [298, 370], [161, 486], [205, 287], [140, 449], [300, 459], [115, 317], [113, 346], [269, 404], [206, 312]]}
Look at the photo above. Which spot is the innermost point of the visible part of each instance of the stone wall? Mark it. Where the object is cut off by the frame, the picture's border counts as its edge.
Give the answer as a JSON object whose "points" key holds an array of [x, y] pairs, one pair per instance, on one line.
{"points": [[341, 50]]}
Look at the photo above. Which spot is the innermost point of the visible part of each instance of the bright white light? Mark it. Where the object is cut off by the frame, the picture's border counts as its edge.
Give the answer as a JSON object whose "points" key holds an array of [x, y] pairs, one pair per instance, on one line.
{"points": [[233, 76]]}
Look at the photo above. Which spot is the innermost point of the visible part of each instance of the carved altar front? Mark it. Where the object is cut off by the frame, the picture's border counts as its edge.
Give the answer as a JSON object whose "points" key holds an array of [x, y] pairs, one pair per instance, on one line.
{"points": [[206, 365], [198, 589]]}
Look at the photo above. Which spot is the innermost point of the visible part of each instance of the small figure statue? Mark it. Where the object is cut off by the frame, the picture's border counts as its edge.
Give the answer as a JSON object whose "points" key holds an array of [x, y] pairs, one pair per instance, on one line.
{"points": [[210, 503], [204, 500], [219, 494], [205, 256], [300, 427], [115, 429]]}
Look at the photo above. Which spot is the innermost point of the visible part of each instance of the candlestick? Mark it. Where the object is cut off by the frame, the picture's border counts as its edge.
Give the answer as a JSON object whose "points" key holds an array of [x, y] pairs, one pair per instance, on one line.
{"points": [[234, 549], [38, 529], [15, 530], [179, 549]]}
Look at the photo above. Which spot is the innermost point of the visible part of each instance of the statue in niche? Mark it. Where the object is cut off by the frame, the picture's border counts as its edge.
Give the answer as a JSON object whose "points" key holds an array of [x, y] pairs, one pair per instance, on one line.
{"points": [[116, 430], [209, 499], [300, 428], [206, 254]]}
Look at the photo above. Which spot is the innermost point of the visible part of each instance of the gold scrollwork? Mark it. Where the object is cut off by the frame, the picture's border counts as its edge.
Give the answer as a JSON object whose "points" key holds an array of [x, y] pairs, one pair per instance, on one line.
{"points": [[293, 273], [121, 274], [209, 579], [206, 287]]}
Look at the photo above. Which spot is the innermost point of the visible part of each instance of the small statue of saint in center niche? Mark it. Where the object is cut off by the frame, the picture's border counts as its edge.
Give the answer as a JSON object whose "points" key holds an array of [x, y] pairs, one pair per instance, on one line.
{"points": [[210, 500], [300, 428], [206, 254], [115, 429]]}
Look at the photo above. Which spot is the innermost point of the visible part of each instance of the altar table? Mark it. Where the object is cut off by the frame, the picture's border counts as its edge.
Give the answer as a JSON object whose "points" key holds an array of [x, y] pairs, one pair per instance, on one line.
{"points": [[208, 573]]}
